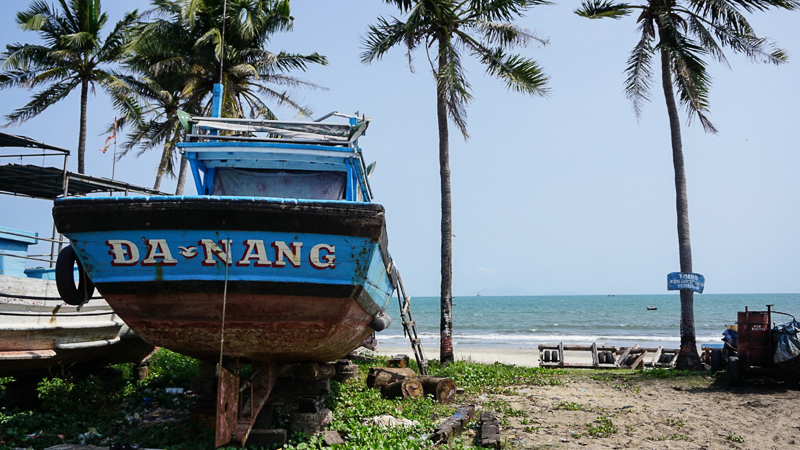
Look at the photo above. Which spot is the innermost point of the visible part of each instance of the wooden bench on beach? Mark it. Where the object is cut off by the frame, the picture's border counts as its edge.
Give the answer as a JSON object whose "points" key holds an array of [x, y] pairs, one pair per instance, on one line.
{"points": [[606, 357]]}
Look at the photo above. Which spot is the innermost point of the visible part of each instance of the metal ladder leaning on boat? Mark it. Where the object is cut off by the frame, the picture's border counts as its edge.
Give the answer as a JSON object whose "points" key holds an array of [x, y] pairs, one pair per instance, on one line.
{"points": [[409, 325]]}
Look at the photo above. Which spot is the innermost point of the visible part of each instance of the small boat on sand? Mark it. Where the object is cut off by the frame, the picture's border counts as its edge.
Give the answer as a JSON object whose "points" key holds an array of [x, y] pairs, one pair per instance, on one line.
{"points": [[282, 257]]}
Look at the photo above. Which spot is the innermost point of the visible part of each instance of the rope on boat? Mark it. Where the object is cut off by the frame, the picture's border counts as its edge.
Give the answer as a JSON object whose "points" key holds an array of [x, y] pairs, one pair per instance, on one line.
{"points": [[224, 304]]}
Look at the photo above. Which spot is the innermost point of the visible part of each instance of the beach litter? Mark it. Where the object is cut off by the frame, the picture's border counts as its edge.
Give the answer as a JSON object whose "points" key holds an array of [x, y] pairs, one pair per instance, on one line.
{"points": [[387, 421]]}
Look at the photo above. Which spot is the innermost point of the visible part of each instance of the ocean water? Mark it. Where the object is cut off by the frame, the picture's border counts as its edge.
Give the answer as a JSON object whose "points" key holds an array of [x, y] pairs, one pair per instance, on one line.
{"points": [[619, 320]]}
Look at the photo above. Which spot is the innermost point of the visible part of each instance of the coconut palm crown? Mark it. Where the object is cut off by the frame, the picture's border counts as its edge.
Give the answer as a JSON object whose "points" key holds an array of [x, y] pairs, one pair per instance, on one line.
{"points": [[446, 29], [73, 55], [225, 42], [181, 48], [683, 33]]}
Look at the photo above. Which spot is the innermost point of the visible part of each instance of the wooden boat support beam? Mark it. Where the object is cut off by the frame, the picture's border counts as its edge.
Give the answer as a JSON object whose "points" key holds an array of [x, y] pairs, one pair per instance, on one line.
{"points": [[240, 401]]}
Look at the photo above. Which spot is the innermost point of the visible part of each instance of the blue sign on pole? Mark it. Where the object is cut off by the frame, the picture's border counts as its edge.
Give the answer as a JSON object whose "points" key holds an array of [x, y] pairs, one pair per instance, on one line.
{"points": [[677, 281]]}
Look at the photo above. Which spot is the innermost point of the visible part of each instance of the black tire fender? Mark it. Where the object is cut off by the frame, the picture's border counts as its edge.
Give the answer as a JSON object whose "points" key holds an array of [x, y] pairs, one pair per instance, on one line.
{"points": [[734, 371], [716, 360], [65, 278]]}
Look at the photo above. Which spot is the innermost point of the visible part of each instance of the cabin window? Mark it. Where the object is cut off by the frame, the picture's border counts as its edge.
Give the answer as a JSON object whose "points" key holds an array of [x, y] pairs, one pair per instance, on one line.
{"points": [[280, 183]]}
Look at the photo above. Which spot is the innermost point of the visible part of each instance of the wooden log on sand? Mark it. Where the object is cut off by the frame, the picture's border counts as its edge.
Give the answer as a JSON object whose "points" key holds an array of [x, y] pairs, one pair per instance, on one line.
{"points": [[442, 389], [408, 388], [381, 376], [490, 431], [453, 425]]}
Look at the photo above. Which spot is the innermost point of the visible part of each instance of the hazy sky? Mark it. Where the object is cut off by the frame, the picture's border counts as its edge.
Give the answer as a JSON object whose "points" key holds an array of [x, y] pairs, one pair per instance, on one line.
{"points": [[567, 194]]}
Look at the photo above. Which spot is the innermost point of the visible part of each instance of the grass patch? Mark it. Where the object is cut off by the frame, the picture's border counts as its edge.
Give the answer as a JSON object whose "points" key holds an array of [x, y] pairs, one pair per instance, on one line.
{"points": [[734, 438], [494, 378], [570, 406], [602, 427], [94, 409], [677, 423], [671, 437]]}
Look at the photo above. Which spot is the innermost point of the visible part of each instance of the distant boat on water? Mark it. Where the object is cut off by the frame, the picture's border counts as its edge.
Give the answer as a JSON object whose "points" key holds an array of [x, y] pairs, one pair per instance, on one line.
{"points": [[652, 307]]}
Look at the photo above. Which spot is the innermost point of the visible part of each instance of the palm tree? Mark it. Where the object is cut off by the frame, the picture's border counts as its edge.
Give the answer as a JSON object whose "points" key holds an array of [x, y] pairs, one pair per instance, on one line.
{"points": [[683, 32], [157, 122], [73, 54], [483, 29], [215, 41]]}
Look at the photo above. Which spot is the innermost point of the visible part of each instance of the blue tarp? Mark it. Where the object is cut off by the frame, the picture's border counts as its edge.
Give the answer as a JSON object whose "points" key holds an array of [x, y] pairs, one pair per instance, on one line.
{"points": [[788, 341]]}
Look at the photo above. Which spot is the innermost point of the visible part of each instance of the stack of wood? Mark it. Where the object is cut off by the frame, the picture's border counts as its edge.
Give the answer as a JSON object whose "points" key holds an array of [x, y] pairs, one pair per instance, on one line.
{"points": [[404, 382]]}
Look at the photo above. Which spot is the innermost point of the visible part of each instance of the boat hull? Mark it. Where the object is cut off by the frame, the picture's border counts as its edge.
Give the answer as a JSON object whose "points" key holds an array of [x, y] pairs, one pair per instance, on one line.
{"points": [[284, 281], [38, 331]]}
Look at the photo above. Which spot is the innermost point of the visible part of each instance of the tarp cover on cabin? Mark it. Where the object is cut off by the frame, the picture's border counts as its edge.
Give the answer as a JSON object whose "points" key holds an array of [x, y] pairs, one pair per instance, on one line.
{"points": [[280, 184]]}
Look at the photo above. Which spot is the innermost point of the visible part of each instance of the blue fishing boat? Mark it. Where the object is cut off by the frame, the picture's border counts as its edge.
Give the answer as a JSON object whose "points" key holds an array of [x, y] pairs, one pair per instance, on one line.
{"points": [[280, 258]]}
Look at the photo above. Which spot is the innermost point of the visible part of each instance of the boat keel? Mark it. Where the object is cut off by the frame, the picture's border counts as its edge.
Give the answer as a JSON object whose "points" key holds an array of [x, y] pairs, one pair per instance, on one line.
{"points": [[240, 401]]}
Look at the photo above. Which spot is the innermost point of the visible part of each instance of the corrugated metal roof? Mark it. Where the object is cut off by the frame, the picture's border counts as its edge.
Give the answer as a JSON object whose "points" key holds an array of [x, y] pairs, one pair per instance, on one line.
{"points": [[12, 140], [48, 183]]}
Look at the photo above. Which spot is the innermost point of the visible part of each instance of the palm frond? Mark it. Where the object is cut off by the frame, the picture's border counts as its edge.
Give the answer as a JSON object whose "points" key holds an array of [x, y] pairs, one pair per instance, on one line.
{"points": [[452, 83], [639, 69], [689, 74], [706, 39], [293, 61], [382, 37], [519, 74], [42, 101], [506, 34], [600, 9], [500, 10]]}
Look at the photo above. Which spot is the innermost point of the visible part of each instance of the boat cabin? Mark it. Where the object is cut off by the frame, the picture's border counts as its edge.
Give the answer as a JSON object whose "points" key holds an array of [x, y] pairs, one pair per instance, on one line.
{"points": [[318, 160]]}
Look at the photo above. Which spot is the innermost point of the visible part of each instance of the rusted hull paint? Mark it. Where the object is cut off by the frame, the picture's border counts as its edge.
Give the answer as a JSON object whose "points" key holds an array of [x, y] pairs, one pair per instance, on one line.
{"points": [[259, 327]]}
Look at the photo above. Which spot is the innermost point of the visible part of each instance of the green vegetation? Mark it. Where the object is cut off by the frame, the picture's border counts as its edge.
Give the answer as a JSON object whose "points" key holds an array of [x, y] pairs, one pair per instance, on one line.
{"points": [[671, 437], [677, 423], [95, 408], [602, 427], [734, 438], [570, 406], [110, 407]]}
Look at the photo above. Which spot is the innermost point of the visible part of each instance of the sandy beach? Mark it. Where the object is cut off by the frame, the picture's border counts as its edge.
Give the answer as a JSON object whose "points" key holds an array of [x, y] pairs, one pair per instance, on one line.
{"points": [[518, 356], [696, 412]]}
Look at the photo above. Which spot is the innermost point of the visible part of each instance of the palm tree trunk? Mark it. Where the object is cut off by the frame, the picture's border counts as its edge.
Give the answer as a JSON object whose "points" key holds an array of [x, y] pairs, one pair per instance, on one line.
{"points": [[688, 358], [82, 132], [446, 326], [181, 178], [162, 165]]}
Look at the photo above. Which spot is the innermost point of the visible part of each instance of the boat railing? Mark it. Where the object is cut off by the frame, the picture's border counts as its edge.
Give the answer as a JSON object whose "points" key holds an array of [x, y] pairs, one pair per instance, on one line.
{"points": [[278, 131]]}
